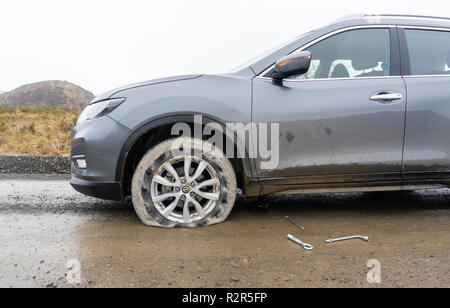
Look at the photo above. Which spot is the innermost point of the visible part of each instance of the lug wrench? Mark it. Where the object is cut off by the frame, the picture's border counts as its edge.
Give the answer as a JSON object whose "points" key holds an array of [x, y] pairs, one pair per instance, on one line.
{"points": [[297, 241], [364, 238]]}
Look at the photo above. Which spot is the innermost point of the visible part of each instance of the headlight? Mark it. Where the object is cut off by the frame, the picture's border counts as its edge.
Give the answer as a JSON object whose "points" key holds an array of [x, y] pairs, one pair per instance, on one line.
{"points": [[100, 109]]}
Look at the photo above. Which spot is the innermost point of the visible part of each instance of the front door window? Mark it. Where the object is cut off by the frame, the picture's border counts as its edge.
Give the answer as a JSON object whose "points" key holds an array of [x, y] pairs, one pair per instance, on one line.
{"points": [[351, 54]]}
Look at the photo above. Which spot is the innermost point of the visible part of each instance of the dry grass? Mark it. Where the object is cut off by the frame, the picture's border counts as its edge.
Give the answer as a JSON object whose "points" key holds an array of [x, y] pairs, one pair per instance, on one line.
{"points": [[43, 132]]}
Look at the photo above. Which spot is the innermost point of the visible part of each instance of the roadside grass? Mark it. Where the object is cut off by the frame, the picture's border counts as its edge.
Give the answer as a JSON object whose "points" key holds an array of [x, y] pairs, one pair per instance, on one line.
{"points": [[44, 132]]}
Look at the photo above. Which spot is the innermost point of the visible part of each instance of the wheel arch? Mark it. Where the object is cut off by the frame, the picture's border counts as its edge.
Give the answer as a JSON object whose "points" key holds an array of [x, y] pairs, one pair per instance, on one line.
{"points": [[158, 129]]}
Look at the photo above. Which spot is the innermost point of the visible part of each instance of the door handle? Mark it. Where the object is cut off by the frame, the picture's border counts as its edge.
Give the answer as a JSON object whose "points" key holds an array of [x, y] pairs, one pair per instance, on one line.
{"points": [[386, 97]]}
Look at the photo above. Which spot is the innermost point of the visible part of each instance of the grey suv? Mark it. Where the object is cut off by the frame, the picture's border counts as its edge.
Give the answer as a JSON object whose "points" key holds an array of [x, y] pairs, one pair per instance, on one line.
{"points": [[362, 104]]}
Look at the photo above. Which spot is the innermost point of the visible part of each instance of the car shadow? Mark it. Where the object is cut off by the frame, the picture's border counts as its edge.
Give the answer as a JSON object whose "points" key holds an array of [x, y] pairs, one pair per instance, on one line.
{"points": [[373, 201]]}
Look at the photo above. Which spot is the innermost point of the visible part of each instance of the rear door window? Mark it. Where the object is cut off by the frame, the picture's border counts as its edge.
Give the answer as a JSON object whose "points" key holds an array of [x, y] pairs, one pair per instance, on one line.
{"points": [[429, 51]]}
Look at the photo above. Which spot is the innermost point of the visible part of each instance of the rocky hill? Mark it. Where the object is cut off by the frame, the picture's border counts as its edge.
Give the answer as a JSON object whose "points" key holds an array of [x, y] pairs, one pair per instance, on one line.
{"points": [[47, 94]]}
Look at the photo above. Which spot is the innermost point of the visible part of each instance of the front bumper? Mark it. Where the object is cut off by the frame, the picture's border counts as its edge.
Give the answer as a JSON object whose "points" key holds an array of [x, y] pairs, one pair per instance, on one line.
{"points": [[102, 190], [98, 142]]}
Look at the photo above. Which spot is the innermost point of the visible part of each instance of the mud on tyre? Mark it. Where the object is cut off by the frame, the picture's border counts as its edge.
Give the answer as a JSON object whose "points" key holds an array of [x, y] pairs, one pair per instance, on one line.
{"points": [[176, 184]]}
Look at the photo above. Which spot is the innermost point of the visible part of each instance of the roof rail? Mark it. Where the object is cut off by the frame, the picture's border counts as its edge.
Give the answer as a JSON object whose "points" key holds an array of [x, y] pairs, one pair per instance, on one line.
{"points": [[405, 16]]}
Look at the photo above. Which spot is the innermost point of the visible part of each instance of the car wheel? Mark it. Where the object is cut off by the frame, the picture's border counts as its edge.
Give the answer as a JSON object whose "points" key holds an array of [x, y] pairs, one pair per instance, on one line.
{"points": [[185, 188]]}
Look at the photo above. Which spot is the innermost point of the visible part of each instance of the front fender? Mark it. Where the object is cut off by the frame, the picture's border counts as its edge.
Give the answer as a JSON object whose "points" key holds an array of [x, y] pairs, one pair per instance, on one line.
{"points": [[228, 97]]}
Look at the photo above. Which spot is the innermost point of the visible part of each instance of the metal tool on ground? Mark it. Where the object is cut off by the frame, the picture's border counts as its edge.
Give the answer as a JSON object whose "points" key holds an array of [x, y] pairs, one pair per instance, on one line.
{"points": [[297, 241], [294, 223], [364, 238]]}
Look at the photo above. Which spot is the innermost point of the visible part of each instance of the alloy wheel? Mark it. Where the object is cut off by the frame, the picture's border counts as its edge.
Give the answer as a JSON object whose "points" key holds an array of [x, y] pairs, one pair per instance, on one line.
{"points": [[185, 189]]}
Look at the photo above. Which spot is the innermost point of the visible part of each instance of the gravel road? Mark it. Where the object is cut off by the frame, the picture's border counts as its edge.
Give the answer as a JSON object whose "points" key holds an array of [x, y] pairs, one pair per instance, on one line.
{"points": [[44, 224]]}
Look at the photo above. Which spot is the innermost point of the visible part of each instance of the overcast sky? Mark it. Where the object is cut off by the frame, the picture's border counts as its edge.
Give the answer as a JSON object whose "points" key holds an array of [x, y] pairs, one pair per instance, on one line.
{"points": [[102, 44]]}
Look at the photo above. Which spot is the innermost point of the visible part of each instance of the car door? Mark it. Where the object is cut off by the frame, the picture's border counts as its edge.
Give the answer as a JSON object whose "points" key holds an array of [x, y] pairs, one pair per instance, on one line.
{"points": [[342, 121], [427, 65]]}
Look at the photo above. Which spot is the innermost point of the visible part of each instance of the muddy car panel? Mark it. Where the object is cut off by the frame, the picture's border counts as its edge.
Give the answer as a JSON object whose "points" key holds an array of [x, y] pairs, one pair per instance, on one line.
{"points": [[332, 131]]}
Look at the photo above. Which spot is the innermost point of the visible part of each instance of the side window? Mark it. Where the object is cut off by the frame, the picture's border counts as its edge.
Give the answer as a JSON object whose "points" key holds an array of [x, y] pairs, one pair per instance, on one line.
{"points": [[429, 52], [313, 70], [351, 54]]}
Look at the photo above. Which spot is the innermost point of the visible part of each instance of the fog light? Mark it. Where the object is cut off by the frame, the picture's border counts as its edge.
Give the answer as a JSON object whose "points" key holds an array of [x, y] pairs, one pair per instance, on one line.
{"points": [[80, 162]]}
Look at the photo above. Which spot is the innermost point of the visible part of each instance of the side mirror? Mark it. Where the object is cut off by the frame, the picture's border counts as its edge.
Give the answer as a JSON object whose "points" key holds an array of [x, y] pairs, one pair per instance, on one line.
{"points": [[293, 64]]}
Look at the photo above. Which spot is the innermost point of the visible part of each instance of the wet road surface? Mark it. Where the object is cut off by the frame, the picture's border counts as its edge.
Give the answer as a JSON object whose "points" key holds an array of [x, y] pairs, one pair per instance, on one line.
{"points": [[44, 224]]}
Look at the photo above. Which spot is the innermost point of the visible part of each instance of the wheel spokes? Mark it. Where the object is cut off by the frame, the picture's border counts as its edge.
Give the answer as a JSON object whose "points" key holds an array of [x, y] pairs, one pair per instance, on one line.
{"points": [[209, 196], [161, 198], [198, 207], [186, 212], [169, 168], [163, 181], [185, 189], [201, 167], [168, 210], [207, 183], [187, 168]]}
